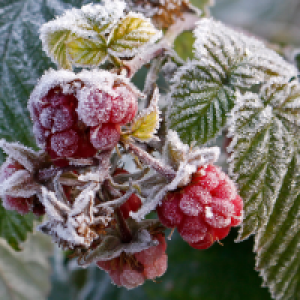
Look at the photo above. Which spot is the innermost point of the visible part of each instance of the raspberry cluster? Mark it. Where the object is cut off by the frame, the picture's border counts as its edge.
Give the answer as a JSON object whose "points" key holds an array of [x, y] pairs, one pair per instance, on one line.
{"points": [[205, 210], [22, 205], [74, 117], [57, 127], [131, 270]]}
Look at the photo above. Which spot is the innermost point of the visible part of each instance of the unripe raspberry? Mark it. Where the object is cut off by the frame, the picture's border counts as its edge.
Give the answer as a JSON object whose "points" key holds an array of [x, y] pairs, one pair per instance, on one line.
{"points": [[131, 270], [205, 210], [22, 205]]}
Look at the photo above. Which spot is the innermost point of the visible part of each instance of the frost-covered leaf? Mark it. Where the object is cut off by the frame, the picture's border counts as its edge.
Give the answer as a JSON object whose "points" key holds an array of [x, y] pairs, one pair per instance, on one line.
{"points": [[83, 31], [57, 47], [146, 123], [277, 243], [131, 35], [239, 59], [200, 101], [202, 93], [87, 52], [264, 129], [25, 275]]}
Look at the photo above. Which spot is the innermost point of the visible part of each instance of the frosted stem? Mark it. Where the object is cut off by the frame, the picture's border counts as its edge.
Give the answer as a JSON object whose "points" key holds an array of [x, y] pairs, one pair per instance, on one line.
{"points": [[149, 160], [186, 22]]}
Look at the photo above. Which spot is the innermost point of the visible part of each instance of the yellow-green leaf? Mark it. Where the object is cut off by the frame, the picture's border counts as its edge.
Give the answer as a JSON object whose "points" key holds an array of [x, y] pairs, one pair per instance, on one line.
{"points": [[131, 34], [56, 47], [147, 122], [86, 52]]}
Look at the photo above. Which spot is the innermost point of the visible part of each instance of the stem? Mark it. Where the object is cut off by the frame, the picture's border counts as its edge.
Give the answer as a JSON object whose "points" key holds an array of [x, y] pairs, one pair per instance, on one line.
{"points": [[186, 22], [149, 160], [126, 235]]}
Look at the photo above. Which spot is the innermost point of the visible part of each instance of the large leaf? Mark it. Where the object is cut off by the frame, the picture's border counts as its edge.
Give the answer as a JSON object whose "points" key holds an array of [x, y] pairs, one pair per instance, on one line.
{"points": [[265, 128], [25, 275], [22, 62], [202, 93], [200, 103], [277, 243]]}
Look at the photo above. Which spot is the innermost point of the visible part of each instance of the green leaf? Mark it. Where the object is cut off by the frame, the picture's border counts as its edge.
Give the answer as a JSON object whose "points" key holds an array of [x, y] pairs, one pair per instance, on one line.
{"points": [[200, 103], [277, 243], [86, 52], [202, 93], [265, 129], [57, 47], [25, 275], [22, 62], [131, 35], [14, 227]]}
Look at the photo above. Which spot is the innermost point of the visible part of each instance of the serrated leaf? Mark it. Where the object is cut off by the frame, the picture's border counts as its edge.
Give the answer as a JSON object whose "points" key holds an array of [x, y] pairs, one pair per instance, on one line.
{"points": [[22, 62], [132, 34], [241, 60], [84, 30], [25, 275], [146, 123], [200, 102], [277, 243], [202, 93], [264, 128], [86, 52]]}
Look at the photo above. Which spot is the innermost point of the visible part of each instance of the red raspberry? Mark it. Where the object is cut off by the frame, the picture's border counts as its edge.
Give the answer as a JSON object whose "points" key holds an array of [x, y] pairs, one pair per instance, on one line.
{"points": [[20, 204], [131, 270], [79, 120], [205, 210], [133, 203], [57, 128]]}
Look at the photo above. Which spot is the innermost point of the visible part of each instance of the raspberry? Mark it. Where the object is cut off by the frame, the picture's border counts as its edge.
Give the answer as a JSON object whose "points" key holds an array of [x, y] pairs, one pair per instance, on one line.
{"points": [[205, 210], [133, 203], [57, 128], [131, 270], [75, 118], [20, 204]]}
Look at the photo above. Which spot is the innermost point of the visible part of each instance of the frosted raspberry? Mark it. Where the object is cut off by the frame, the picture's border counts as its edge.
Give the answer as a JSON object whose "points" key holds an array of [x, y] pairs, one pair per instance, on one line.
{"points": [[131, 270], [169, 212], [57, 127], [20, 204], [76, 115], [97, 107], [205, 210], [105, 136]]}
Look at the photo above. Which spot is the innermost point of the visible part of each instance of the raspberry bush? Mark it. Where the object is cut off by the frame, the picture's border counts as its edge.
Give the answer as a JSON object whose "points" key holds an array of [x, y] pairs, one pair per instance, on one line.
{"points": [[118, 169]]}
